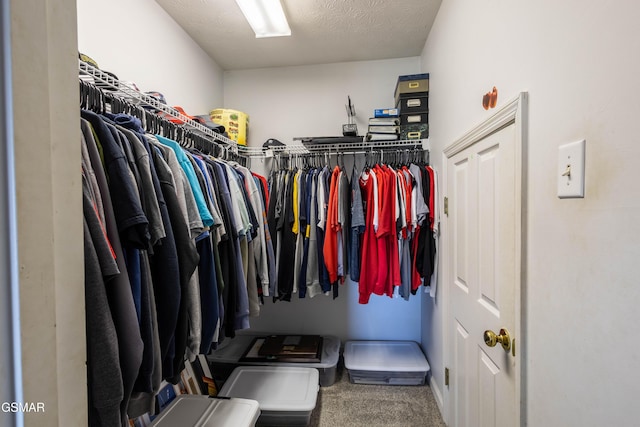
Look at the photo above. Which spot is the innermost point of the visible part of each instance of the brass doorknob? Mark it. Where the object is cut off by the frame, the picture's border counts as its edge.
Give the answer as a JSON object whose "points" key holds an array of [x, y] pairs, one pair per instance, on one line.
{"points": [[491, 339]]}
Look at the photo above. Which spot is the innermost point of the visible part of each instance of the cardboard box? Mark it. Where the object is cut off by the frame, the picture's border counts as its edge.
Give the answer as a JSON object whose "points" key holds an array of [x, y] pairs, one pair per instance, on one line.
{"points": [[416, 131], [414, 118], [414, 103], [411, 84]]}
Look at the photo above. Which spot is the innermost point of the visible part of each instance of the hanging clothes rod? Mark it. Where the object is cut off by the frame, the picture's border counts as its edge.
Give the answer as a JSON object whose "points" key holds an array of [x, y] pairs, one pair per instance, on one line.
{"points": [[368, 145], [293, 149], [344, 148], [126, 91]]}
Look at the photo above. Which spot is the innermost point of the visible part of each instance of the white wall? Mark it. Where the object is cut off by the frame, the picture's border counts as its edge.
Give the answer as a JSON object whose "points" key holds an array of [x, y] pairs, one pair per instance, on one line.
{"points": [[578, 61], [290, 102], [140, 42]]}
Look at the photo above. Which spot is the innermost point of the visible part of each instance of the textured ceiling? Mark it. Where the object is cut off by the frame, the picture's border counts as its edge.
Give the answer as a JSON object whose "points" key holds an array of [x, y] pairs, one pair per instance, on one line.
{"points": [[323, 31]]}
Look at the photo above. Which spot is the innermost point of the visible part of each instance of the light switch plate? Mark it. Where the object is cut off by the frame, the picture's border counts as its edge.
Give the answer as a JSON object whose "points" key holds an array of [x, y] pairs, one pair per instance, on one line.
{"points": [[571, 170]]}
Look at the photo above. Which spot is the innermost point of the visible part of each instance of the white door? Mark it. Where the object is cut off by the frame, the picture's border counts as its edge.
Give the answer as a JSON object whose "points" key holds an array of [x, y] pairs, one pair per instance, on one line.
{"points": [[483, 189]]}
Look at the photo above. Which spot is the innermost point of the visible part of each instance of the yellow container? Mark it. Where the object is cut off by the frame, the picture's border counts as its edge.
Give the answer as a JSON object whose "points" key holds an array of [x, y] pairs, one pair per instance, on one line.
{"points": [[235, 122]]}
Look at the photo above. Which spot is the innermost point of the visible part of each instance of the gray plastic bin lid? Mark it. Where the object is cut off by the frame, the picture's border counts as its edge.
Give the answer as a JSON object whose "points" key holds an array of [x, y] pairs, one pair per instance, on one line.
{"points": [[231, 350], [387, 356], [202, 411], [276, 388]]}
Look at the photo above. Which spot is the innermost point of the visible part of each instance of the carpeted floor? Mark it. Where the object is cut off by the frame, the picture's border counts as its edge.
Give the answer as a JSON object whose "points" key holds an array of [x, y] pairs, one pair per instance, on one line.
{"points": [[358, 405]]}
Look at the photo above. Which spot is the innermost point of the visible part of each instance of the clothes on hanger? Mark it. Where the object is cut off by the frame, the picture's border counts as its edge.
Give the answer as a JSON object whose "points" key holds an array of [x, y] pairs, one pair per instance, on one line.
{"points": [[380, 229], [182, 247], [178, 255], [398, 243]]}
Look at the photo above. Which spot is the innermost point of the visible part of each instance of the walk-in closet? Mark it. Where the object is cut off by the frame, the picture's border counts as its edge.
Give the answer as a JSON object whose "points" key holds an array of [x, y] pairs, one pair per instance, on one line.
{"points": [[152, 259]]}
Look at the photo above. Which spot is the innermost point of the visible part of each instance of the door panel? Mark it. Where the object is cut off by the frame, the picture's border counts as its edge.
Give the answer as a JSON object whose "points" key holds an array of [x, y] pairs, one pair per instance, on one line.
{"points": [[487, 163], [461, 224], [488, 374], [482, 232], [461, 378]]}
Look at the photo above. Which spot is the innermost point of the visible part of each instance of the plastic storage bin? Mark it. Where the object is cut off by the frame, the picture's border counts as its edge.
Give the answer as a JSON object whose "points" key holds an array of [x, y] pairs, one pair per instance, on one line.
{"points": [[385, 362], [227, 357], [286, 395], [203, 411], [235, 122]]}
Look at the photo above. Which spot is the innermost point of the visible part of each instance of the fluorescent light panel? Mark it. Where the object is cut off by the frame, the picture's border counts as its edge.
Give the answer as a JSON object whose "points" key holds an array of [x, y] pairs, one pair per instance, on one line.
{"points": [[266, 17]]}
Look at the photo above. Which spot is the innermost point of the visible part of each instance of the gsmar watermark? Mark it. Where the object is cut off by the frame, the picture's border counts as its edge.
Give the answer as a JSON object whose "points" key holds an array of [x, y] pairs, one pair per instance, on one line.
{"points": [[22, 407]]}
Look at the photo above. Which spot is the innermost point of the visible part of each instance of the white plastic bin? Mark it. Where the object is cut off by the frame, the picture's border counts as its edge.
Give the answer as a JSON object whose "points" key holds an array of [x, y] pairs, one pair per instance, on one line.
{"points": [[227, 357], [385, 362], [203, 411], [286, 395]]}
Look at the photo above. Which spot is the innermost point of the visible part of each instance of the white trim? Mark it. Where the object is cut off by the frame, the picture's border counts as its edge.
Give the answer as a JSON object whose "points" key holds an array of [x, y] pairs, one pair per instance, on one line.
{"points": [[506, 115], [516, 112], [437, 394], [522, 131], [447, 252]]}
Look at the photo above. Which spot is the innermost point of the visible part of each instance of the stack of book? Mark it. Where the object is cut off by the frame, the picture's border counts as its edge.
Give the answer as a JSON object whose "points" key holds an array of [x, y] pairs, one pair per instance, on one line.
{"points": [[384, 126]]}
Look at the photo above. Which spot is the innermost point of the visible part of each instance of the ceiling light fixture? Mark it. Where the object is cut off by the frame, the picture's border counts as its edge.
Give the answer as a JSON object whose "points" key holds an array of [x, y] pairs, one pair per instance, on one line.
{"points": [[266, 17]]}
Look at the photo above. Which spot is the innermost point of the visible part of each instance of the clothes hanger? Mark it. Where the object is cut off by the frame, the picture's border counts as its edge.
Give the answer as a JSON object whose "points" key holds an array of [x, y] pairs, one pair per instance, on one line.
{"points": [[147, 123], [82, 94], [140, 112], [157, 122], [115, 104], [207, 145], [92, 99], [150, 123], [197, 142], [88, 97]]}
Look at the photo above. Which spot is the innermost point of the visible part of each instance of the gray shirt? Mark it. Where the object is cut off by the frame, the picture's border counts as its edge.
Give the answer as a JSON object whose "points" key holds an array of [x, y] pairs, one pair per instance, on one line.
{"points": [[422, 210], [313, 276], [148, 196]]}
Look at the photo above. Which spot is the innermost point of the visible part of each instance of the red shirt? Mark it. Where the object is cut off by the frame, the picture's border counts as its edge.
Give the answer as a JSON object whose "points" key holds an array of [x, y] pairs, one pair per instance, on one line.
{"points": [[385, 212], [369, 270], [392, 239], [330, 248], [265, 188], [387, 242]]}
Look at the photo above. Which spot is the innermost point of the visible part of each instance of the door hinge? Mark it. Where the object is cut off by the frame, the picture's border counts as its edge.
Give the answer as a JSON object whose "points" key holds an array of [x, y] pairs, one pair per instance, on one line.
{"points": [[446, 376], [446, 206]]}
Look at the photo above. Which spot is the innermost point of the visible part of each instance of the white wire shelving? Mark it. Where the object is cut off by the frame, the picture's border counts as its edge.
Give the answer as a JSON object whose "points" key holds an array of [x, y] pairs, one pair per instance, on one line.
{"points": [[128, 92], [299, 148]]}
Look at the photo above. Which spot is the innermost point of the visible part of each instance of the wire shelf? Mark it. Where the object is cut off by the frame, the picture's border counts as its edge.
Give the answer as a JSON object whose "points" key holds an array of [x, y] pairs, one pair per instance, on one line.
{"points": [[125, 90], [104, 80], [297, 148]]}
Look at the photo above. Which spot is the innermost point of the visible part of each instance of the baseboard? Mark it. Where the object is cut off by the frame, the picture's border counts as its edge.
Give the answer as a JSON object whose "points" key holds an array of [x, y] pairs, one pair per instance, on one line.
{"points": [[437, 394]]}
